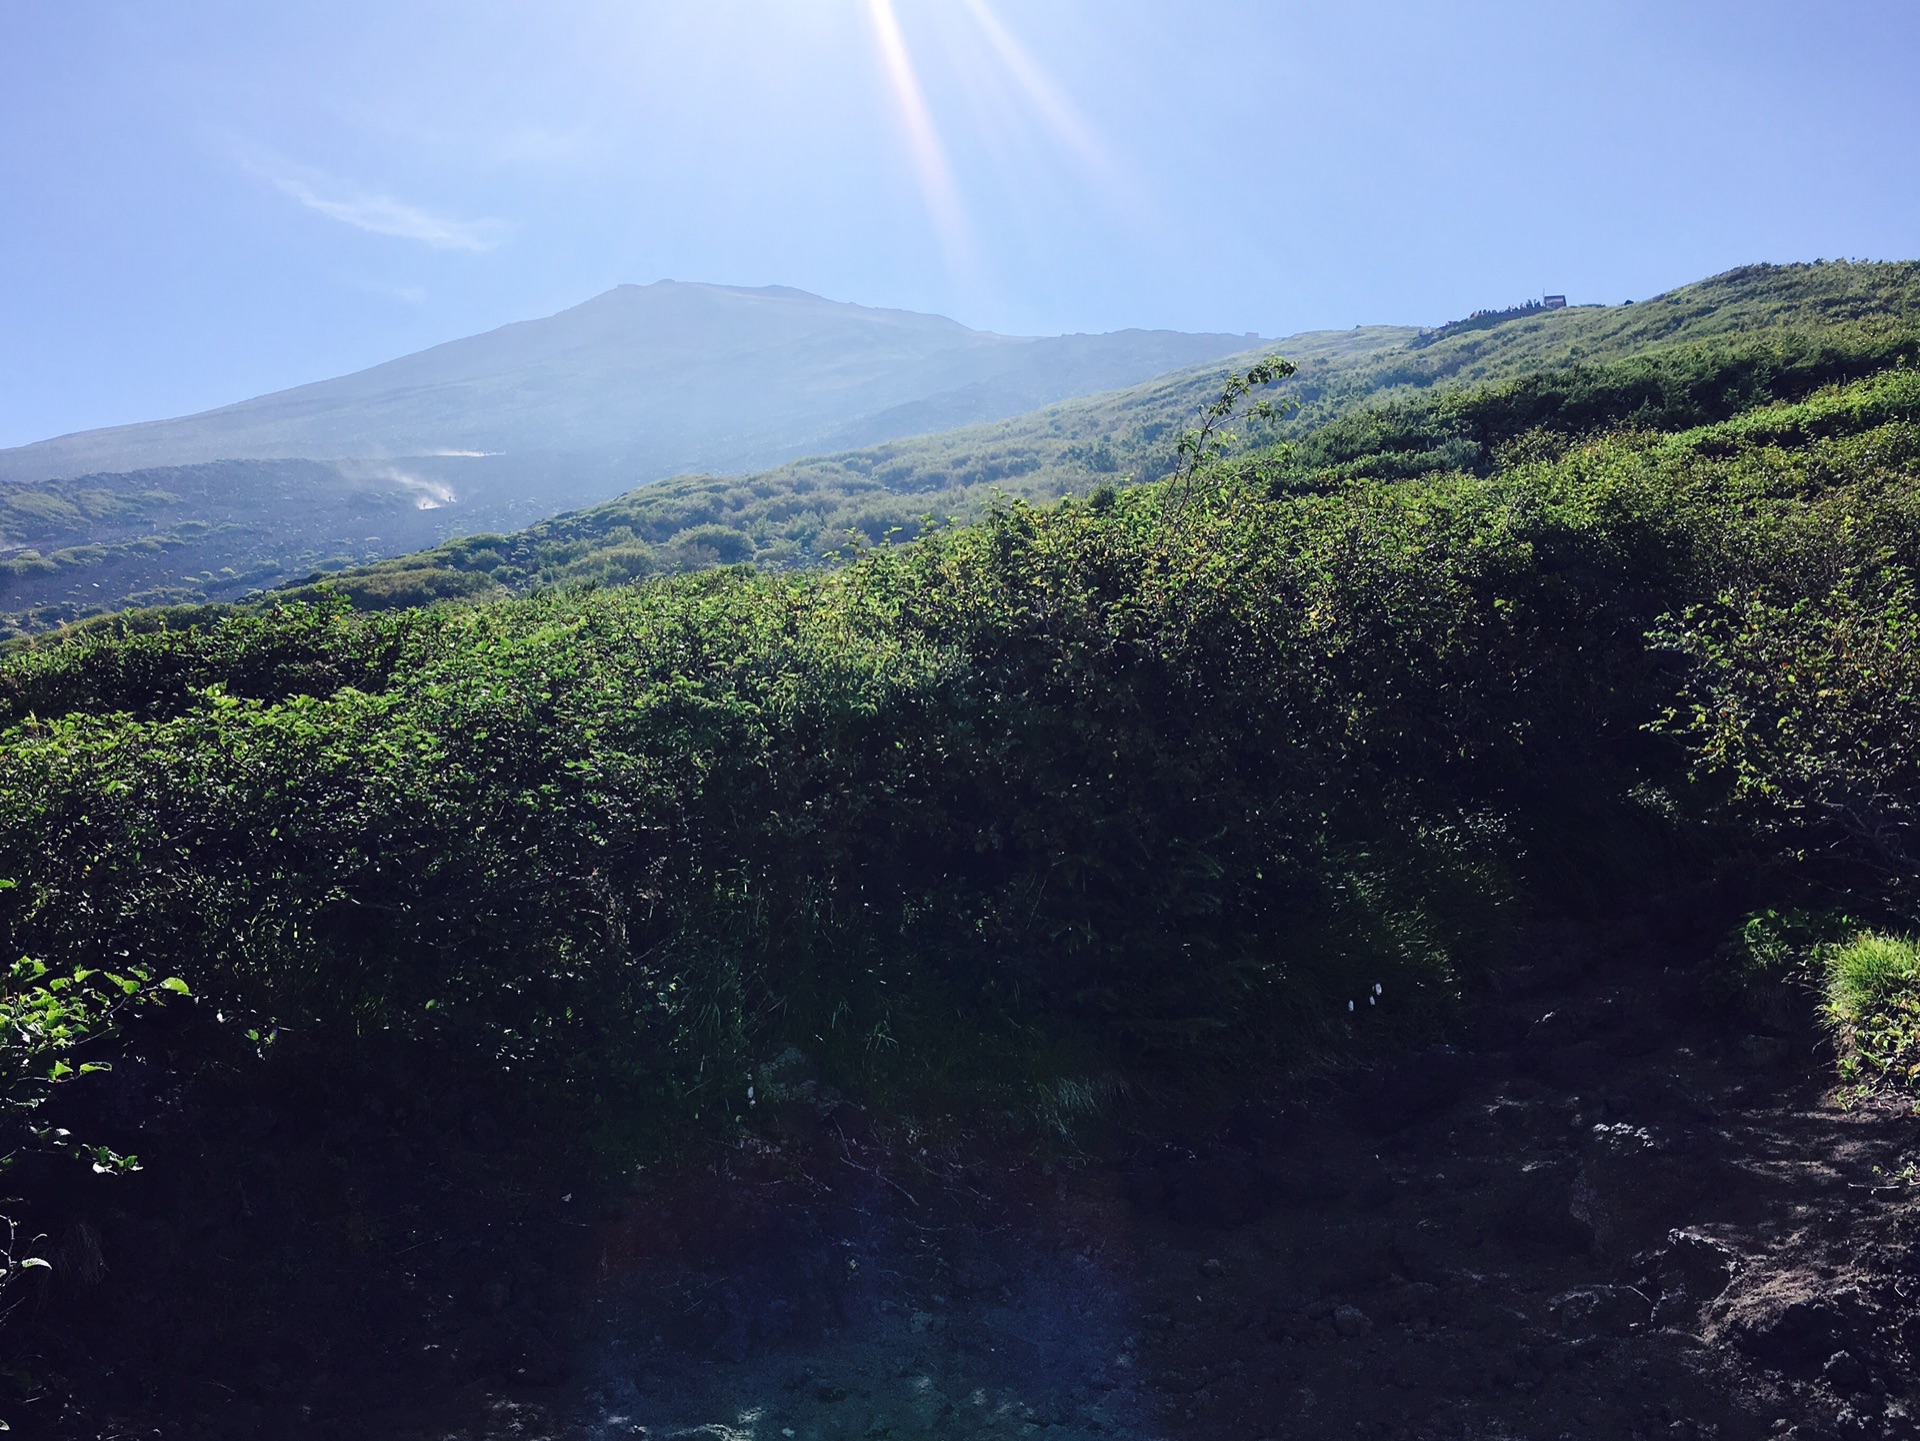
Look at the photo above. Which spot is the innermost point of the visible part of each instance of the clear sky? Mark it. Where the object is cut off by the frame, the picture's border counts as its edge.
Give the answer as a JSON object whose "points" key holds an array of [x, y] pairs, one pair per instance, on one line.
{"points": [[202, 200]]}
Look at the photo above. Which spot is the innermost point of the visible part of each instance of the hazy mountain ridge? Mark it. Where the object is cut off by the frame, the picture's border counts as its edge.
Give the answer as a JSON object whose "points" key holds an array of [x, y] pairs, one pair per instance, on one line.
{"points": [[664, 377], [496, 431]]}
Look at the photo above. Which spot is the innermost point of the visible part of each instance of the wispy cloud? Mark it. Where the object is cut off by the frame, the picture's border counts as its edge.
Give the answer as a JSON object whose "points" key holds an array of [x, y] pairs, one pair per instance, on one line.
{"points": [[371, 211]]}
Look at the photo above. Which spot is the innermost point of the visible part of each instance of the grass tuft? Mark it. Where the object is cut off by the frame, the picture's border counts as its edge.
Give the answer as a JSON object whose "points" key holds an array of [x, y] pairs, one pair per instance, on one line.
{"points": [[1873, 1003]]}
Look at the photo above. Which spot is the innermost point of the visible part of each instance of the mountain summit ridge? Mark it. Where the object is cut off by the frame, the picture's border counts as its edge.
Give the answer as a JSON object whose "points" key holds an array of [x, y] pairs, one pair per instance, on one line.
{"points": [[665, 377]]}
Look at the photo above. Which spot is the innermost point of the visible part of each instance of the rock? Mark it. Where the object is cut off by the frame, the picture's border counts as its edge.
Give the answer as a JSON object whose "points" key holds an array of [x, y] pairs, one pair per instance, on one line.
{"points": [[1351, 1321], [1642, 1182], [1844, 1373], [1411, 1090], [1792, 1323], [1542, 1210], [1213, 1268], [1600, 1310], [1675, 1307], [1695, 1263]]}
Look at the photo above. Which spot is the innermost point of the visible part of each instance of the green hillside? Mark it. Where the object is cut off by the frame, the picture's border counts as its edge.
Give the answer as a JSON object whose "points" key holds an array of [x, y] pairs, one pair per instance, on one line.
{"points": [[1246, 712], [1785, 317], [1143, 802]]}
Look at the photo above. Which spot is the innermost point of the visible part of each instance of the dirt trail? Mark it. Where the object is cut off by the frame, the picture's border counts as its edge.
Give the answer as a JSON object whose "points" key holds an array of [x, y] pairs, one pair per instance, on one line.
{"points": [[1608, 1215]]}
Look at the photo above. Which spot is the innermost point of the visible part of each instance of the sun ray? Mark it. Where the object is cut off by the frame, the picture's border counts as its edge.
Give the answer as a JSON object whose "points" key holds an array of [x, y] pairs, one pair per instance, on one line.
{"points": [[1065, 121], [930, 165]]}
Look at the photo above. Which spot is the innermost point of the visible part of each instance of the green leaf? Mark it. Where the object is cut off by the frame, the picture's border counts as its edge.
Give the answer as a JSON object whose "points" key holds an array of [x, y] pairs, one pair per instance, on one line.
{"points": [[176, 985]]}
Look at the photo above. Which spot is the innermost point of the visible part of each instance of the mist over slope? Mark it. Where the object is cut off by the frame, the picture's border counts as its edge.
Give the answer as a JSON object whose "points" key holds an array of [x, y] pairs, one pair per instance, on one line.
{"points": [[657, 378]]}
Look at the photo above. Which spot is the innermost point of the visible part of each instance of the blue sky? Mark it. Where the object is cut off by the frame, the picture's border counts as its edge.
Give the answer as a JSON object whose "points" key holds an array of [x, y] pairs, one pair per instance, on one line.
{"points": [[204, 200]]}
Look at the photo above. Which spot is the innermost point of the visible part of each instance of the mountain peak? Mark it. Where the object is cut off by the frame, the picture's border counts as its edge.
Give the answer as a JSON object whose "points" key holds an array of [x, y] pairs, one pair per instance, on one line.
{"points": [[669, 376]]}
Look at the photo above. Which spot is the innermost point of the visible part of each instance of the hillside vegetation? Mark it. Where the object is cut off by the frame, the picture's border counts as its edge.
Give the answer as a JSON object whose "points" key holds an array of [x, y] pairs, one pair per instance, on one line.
{"points": [[1704, 352], [62, 558], [1107, 780], [1141, 794]]}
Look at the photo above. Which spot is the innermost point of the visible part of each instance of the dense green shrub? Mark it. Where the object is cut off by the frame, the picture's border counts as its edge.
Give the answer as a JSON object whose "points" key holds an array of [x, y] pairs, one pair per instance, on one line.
{"points": [[1803, 693], [1165, 779]]}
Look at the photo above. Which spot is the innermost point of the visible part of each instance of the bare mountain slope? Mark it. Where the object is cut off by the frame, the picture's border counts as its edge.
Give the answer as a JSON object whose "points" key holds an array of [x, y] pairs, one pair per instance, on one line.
{"points": [[659, 378]]}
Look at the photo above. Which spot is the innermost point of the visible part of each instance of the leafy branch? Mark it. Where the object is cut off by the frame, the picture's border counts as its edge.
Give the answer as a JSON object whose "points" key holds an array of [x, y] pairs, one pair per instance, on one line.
{"points": [[1206, 443], [47, 1017]]}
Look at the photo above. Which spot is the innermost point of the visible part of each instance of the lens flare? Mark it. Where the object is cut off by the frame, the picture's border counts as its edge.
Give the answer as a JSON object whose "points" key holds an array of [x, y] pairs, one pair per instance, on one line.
{"points": [[1058, 112], [930, 165]]}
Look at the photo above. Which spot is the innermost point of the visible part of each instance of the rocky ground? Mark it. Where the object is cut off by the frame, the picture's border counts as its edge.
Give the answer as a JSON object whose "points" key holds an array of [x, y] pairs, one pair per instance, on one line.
{"points": [[1610, 1211]]}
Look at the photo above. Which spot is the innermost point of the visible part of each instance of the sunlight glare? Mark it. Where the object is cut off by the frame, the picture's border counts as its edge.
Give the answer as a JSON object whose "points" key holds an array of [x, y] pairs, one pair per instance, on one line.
{"points": [[1054, 108], [929, 156]]}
